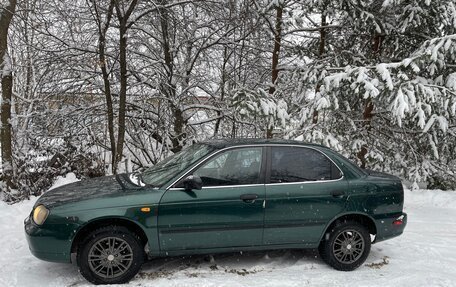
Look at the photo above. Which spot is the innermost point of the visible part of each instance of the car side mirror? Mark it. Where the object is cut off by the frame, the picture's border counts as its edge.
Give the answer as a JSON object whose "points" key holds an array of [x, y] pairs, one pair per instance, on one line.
{"points": [[192, 182]]}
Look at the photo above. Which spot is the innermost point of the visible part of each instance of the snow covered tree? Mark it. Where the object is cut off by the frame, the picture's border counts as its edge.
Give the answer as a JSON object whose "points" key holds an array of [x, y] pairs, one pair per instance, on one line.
{"points": [[384, 94], [7, 9]]}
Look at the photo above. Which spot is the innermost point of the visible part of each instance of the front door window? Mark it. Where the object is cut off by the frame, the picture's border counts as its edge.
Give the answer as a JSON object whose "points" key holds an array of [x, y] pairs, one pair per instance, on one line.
{"points": [[234, 167]]}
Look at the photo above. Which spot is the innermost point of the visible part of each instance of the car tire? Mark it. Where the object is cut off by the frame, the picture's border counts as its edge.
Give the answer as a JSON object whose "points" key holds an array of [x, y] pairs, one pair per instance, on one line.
{"points": [[346, 245], [110, 255]]}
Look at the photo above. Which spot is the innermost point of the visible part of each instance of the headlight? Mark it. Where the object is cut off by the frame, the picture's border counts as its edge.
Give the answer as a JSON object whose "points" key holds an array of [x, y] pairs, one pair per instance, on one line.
{"points": [[40, 213]]}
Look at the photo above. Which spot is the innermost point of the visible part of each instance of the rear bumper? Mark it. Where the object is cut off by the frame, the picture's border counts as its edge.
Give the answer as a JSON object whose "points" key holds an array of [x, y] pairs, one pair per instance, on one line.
{"points": [[386, 228], [47, 244]]}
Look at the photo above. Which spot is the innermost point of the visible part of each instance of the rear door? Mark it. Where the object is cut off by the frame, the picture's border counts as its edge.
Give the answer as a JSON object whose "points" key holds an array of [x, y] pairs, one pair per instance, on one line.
{"points": [[226, 212], [305, 191]]}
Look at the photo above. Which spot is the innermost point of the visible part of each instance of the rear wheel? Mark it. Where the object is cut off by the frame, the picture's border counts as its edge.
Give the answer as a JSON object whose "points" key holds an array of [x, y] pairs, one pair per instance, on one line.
{"points": [[347, 246], [110, 255]]}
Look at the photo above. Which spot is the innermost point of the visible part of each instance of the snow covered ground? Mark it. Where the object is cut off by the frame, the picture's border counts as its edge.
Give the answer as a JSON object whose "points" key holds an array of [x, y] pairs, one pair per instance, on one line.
{"points": [[425, 255]]}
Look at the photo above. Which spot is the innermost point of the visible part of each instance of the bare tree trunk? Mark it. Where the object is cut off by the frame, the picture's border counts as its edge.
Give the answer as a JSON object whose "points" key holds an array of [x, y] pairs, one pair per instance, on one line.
{"points": [[169, 88], [7, 91], [123, 22], [369, 106], [122, 92], [102, 30], [275, 57], [367, 117], [222, 90], [226, 58], [116, 146], [321, 50], [178, 129]]}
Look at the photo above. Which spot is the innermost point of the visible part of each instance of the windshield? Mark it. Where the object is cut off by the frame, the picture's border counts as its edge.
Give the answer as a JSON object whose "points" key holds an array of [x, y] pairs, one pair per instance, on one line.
{"points": [[165, 170]]}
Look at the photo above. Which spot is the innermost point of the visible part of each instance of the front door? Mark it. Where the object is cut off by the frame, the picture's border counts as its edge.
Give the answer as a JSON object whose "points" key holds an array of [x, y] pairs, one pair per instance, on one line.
{"points": [[226, 212], [305, 191]]}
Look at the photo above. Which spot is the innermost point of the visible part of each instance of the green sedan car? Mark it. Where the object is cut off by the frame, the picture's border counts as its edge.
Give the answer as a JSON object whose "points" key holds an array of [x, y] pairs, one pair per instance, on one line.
{"points": [[219, 196]]}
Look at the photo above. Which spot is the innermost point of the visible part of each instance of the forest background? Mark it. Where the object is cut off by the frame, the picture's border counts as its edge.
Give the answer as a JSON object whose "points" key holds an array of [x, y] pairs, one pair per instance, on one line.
{"points": [[98, 87]]}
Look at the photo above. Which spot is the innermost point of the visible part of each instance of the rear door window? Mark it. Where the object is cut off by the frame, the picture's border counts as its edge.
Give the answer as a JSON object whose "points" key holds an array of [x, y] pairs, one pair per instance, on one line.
{"points": [[297, 164]]}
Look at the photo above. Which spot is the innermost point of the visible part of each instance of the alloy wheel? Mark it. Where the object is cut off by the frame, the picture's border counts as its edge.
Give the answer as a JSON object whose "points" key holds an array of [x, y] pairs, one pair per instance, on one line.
{"points": [[110, 257], [348, 246]]}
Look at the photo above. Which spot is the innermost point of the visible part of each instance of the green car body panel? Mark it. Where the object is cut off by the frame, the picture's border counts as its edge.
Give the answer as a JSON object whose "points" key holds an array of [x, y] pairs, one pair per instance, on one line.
{"points": [[215, 219]]}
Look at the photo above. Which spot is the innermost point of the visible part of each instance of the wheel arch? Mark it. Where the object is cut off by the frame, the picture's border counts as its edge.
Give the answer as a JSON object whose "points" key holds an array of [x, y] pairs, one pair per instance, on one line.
{"points": [[361, 218], [106, 221]]}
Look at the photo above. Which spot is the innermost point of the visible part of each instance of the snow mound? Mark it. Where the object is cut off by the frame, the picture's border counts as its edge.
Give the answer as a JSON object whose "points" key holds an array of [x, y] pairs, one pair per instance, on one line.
{"points": [[434, 198]]}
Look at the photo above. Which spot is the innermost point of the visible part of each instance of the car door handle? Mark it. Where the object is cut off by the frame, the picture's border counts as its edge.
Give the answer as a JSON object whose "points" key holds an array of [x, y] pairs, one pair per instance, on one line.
{"points": [[337, 193], [249, 198]]}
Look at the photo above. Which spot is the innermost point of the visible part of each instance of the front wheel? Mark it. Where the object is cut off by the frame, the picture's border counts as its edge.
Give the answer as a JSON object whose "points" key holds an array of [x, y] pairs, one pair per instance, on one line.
{"points": [[347, 246], [110, 255]]}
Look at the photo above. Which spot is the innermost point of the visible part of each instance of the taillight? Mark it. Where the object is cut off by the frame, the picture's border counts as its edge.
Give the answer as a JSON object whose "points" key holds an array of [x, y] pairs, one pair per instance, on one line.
{"points": [[399, 220]]}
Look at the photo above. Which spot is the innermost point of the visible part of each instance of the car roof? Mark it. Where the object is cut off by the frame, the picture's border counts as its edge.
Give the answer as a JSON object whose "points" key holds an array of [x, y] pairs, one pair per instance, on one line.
{"points": [[223, 143]]}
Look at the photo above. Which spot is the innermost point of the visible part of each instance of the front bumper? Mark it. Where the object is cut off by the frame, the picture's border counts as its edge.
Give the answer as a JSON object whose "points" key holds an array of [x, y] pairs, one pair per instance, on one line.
{"points": [[387, 228], [49, 242]]}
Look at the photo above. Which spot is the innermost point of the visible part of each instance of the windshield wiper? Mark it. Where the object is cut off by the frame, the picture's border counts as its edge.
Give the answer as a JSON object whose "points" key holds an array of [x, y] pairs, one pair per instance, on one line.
{"points": [[144, 183], [119, 180]]}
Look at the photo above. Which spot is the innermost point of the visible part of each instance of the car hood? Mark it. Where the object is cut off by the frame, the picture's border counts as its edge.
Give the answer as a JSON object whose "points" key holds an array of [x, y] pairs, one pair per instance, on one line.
{"points": [[107, 186]]}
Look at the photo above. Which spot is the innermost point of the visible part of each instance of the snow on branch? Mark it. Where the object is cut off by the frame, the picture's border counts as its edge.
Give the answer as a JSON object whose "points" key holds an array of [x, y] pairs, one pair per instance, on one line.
{"points": [[249, 104], [417, 86], [4, 3]]}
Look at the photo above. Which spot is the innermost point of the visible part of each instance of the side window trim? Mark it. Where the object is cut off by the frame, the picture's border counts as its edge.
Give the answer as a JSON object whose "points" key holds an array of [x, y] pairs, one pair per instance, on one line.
{"points": [[267, 179], [269, 167], [215, 154], [265, 172], [263, 168]]}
